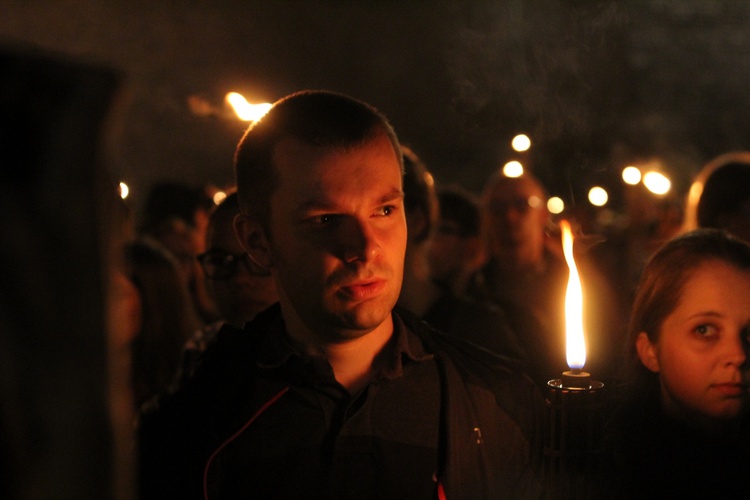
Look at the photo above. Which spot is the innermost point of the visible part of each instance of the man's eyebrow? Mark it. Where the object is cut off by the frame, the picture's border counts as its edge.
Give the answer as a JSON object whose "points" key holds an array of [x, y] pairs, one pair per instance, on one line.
{"points": [[323, 203], [396, 194]]}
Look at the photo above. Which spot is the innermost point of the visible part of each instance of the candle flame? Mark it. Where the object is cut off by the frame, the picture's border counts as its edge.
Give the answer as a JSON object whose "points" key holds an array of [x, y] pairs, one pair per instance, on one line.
{"points": [[244, 110], [574, 337]]}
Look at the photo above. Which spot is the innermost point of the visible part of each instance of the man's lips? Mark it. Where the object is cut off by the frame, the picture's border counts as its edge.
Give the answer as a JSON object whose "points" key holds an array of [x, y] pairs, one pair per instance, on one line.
{"points": [[730, 389], [362, 290]]}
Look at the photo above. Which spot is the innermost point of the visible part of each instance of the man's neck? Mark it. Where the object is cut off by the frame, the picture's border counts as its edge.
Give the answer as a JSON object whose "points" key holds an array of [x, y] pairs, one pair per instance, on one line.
{"points": [[352, 359], [354, 362]]}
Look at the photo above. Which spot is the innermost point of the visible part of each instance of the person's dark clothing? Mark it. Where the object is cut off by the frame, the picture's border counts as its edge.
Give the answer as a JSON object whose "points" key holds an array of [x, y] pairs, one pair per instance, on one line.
{"points": [[651, 456], [261, 420], [482, 323], [534, 303]]}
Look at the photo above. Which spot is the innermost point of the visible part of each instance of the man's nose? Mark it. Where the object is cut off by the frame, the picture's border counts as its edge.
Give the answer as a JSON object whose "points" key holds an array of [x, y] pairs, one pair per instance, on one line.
{"points": [[358, 240]]}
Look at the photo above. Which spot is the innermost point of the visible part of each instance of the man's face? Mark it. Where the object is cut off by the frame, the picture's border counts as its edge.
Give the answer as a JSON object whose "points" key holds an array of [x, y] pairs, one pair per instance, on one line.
{"points": [[244, 292], [515, 216], [337, 236]]}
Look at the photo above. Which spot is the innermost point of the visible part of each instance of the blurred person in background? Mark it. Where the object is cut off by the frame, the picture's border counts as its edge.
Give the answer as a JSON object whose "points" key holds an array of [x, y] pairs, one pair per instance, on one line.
{"points": [[239, 286], [456, 314], [454, 249], [527, 276], [176, 216], [720, 196], [165, 319]]}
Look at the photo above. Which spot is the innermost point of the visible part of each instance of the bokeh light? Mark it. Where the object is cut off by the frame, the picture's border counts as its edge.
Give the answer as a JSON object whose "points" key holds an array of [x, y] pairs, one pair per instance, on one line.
{"points": [[555, 205], [513, 169], [598, 196], [521, 143], [219, 196], [631, 175], [657, 183]]}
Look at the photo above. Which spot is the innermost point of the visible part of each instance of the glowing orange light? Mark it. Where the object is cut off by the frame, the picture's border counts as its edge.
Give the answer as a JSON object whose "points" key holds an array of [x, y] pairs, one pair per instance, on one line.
{"points": [[244, 110], [575, 344]]}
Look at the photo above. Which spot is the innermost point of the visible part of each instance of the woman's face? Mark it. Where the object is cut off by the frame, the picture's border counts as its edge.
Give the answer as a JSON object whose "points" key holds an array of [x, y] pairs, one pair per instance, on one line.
{"points": [[701, 354]]}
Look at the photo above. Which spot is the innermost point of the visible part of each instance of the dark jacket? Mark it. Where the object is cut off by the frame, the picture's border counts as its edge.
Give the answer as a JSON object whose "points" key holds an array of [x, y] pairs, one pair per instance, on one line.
{"points": [[649, 455], [482, 323], [490, 417]]}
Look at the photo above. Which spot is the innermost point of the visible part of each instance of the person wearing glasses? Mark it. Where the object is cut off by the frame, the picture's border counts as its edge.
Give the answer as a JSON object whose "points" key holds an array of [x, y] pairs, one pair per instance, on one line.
{"points": [[332, 393], [239, 287]]}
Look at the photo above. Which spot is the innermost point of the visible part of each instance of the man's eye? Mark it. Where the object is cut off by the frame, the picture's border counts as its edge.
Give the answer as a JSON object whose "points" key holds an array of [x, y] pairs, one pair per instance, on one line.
{"points": [[386, 210]]}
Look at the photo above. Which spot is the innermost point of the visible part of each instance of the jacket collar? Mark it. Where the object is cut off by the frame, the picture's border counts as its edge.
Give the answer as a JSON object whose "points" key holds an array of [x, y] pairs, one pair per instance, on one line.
{"points": [[277, 350]]}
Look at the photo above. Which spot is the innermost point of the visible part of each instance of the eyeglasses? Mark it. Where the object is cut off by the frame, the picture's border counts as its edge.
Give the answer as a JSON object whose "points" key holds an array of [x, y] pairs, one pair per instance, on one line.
{"points": [[223, 265]]}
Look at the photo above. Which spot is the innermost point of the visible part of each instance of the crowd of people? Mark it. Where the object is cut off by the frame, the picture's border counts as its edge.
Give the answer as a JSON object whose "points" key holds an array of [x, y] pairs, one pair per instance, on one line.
{"points": [[342, 327]]}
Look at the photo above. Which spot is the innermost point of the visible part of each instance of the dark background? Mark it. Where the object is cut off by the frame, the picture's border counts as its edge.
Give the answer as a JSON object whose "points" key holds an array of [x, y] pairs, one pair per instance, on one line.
{"points": [[596, 84]]}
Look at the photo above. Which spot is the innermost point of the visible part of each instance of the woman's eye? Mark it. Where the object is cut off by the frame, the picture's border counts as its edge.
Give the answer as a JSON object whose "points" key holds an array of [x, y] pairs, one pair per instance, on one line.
{"points": [[706, 330]]}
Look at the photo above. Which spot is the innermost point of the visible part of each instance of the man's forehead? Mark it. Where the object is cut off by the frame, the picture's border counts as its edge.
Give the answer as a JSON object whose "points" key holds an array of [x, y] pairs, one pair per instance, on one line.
{"points": [[372, 170], [298, 154]]}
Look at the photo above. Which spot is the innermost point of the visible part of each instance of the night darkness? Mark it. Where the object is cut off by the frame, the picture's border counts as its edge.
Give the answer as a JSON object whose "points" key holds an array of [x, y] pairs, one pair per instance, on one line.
{"points": [[596, 84]]}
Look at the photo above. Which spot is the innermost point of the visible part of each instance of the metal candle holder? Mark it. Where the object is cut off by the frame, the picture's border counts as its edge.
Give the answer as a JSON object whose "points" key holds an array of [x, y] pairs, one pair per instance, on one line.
{"points": [[573, 435]]}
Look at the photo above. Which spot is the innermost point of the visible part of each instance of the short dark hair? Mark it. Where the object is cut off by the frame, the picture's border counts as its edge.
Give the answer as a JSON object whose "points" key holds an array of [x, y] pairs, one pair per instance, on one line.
{"points": [[664, 278], [169, 200], [721, 187], [316, 117], [725, 191], [461, 206]]}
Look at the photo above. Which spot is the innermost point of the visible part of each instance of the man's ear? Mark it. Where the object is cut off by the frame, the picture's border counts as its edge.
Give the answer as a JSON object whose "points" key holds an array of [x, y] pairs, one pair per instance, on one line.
{"points": [[647, 352], [252, 236]]}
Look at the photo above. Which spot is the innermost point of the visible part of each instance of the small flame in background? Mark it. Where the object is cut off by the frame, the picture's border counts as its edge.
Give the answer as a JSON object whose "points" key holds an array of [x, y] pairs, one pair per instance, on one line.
{"points": [[574, 337], [246, 111]]}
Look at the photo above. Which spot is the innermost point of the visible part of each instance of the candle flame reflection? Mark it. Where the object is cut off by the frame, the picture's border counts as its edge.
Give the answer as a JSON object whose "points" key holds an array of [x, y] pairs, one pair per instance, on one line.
{"points": [[574, 337]]}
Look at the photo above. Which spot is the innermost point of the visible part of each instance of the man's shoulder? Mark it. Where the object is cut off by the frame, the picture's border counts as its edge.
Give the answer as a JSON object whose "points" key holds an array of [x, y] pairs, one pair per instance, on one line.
{"points": [[471, 361], [483, 387]]}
